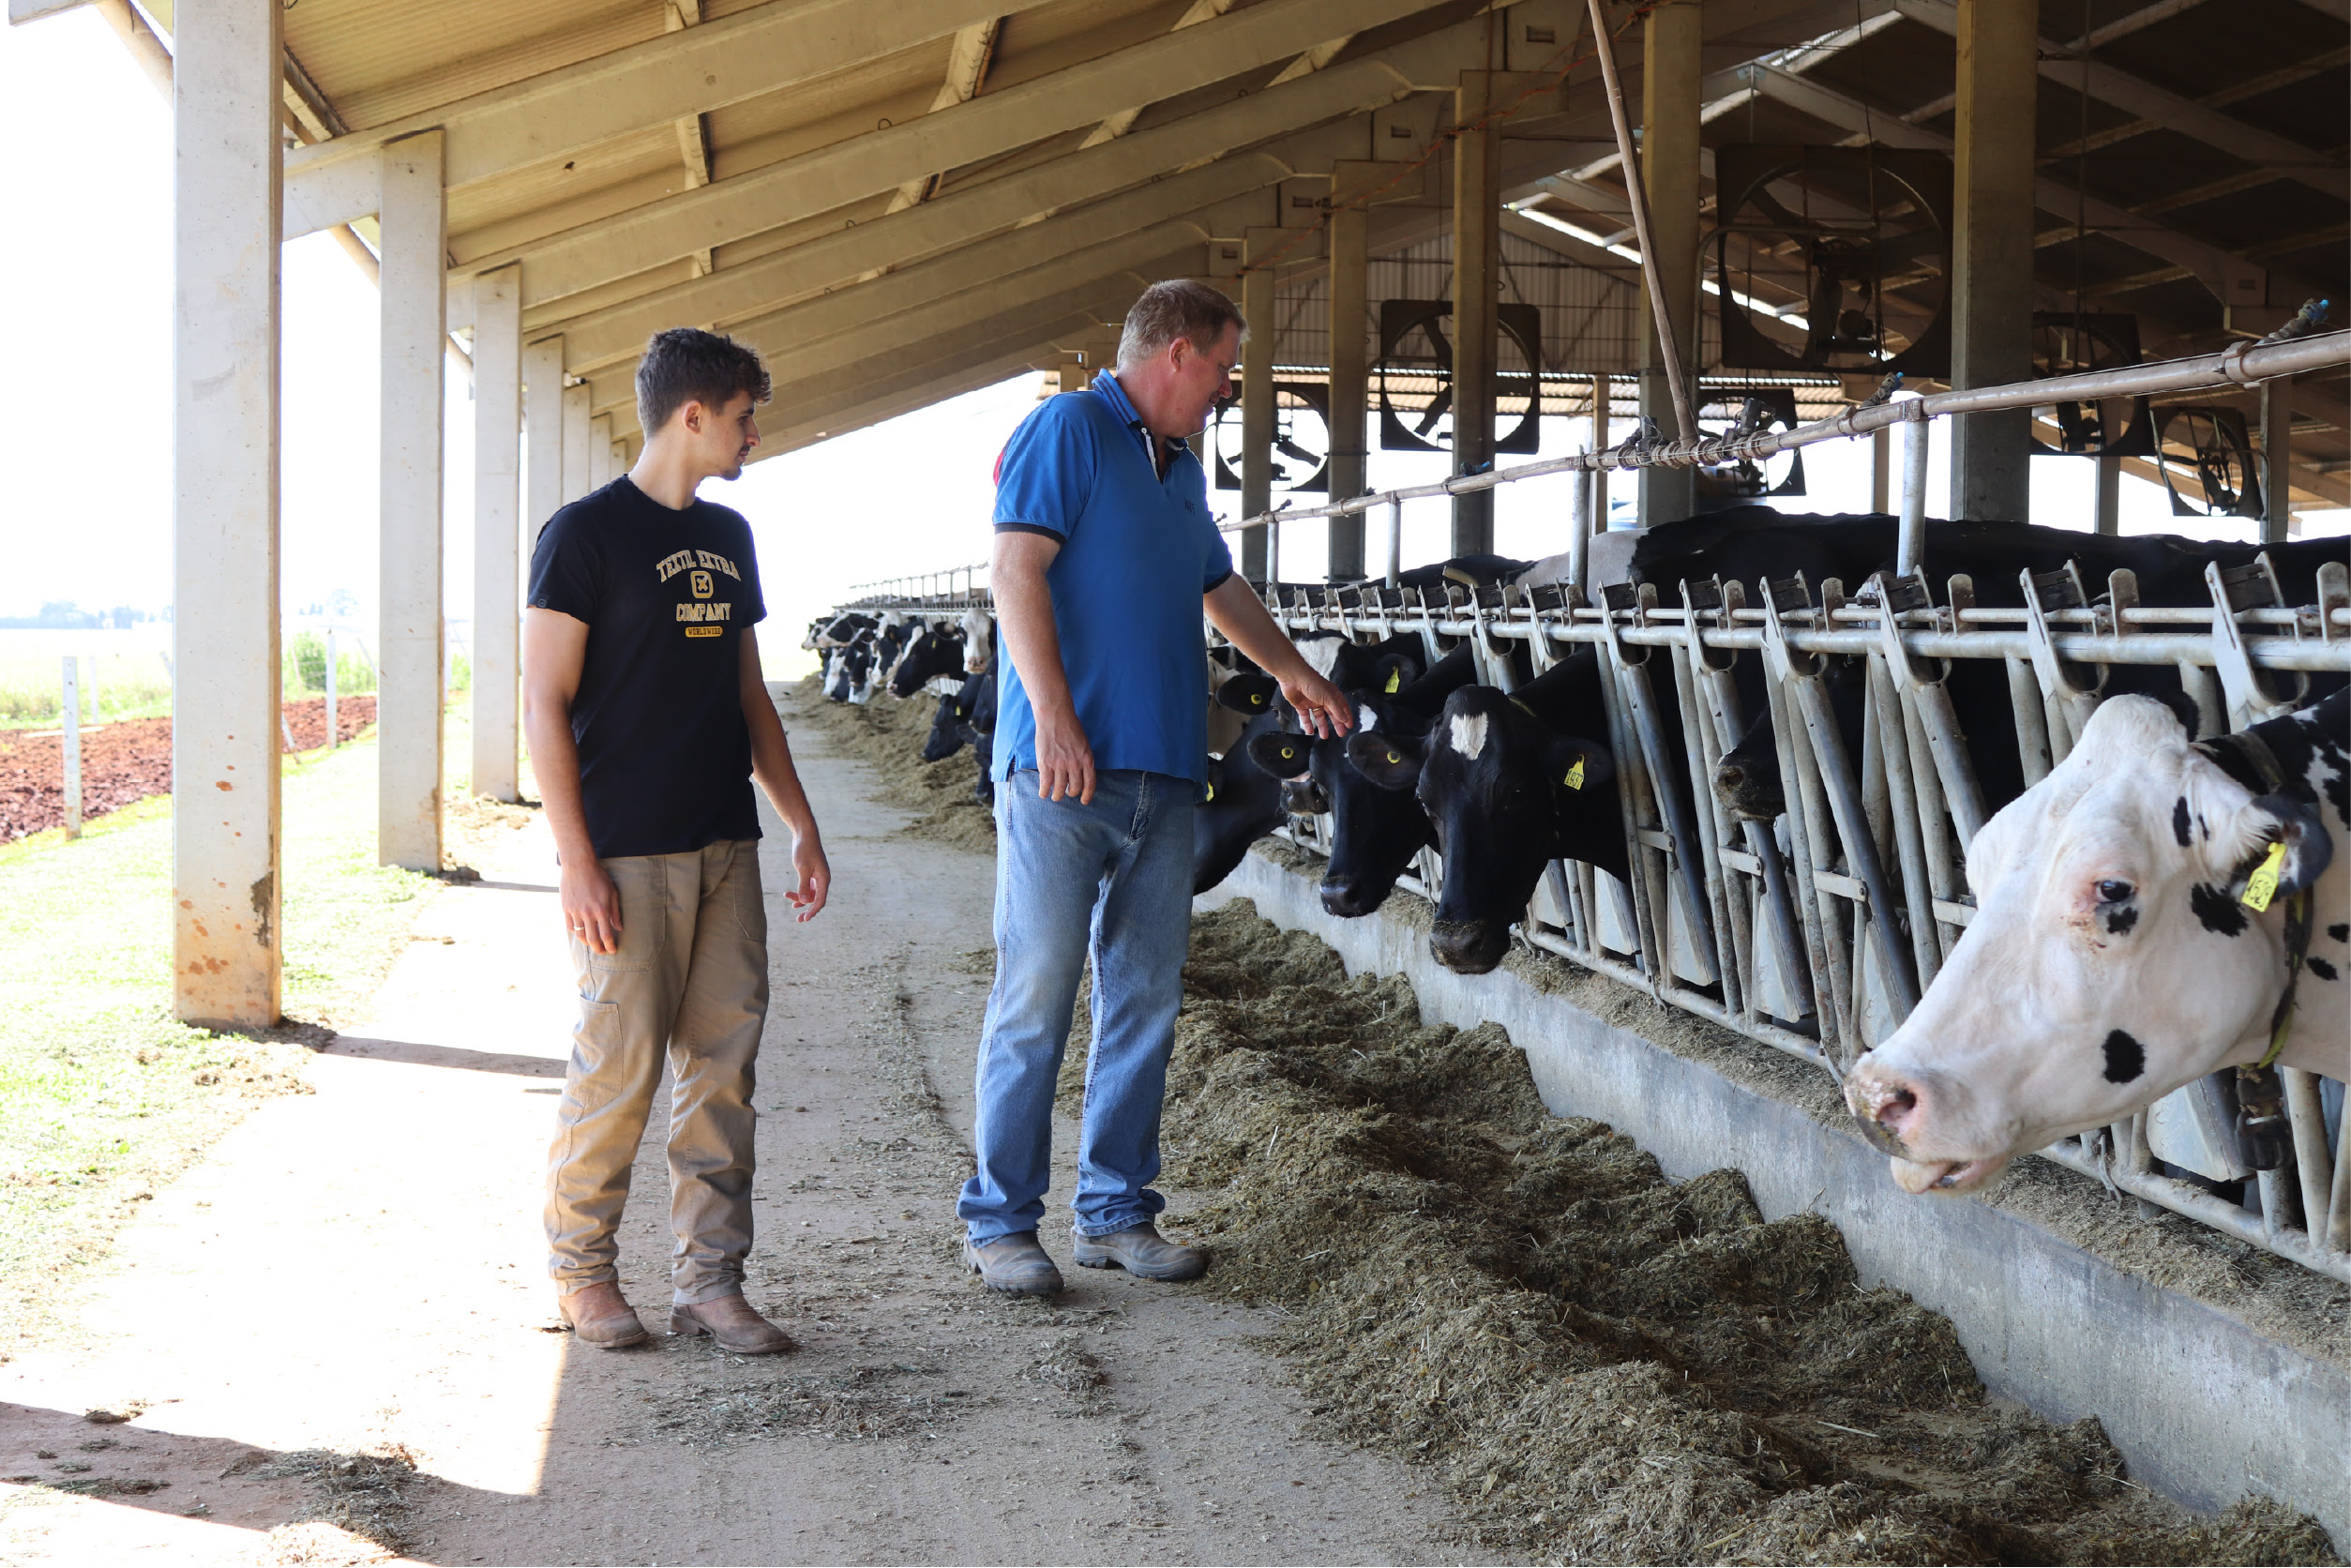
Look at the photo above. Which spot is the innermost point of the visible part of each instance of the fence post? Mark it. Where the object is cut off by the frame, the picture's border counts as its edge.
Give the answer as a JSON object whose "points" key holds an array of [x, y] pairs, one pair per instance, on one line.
{"points": [[71, 745], [331, 732]]}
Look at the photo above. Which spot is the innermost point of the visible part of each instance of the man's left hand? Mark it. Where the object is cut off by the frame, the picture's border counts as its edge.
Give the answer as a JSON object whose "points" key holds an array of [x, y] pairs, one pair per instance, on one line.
{"points": [[1321, 707]]}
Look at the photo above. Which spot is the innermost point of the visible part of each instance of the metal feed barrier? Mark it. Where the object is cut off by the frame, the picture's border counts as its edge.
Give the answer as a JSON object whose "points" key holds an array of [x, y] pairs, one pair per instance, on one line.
{"points": [[1819, 945]]}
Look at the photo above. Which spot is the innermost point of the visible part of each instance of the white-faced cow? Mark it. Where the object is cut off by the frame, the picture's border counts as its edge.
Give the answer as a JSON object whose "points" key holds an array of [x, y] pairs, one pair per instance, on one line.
{"points": [[2131, 933]]}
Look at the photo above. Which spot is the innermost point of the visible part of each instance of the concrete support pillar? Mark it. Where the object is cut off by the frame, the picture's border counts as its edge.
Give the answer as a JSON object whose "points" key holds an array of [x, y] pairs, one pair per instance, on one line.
{"points": [[1670, 73], [1350, 362], [226, 934], [599, 451], [409, 663], [1257, 415], [2277, 459], [1991, 253], [543, 465], [497, 530], [576, 438], [2107, 495], [1477, 245]]}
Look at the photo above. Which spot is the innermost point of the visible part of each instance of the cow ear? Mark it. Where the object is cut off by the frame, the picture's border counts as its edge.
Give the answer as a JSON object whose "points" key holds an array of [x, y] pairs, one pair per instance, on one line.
{"points": [[1250, 694], [1575, 764], [2292, 849], [1281, 753], [1213, 779], [1388, 762]]}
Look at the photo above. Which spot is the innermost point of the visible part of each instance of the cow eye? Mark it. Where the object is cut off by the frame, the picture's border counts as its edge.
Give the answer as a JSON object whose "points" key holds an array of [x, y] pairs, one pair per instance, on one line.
{"points": [[2112, 891]]}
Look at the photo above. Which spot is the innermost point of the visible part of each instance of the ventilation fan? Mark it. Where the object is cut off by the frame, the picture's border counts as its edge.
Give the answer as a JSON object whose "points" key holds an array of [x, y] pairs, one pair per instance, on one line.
{"points": [[1302, 438], [1750, 411], [1414, 376], [1843, 229], [2220, 454], [2066, 342]]}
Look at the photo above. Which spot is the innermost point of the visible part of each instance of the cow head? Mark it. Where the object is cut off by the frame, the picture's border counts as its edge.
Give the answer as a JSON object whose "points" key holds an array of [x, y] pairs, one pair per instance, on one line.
{"points": [[1375, 832], [1505, 794], [1241, 804], [2111, 959], [979, 642], [947, 726], [933, 652]]}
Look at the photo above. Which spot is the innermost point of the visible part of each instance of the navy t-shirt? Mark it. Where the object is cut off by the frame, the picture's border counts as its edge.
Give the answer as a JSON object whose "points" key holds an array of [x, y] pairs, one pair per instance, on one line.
{"points": [[665, 755], [1138, 550]]}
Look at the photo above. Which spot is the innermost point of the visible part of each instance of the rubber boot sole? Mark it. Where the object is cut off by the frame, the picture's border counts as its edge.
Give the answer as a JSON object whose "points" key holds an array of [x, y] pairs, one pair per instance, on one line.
{"points": [[1086, 1259]]}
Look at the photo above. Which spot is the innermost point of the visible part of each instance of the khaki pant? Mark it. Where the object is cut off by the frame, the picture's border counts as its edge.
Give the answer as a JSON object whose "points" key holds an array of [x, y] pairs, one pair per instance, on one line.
{"points": [[689, 982]]}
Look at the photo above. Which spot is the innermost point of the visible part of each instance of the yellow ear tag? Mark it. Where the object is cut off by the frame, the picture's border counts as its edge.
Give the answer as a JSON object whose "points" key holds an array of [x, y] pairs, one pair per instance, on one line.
{"points": [[1211, 793], [2262, 885], [1396, 679], [1394, 758], [1576, 774], [1288, 754]]}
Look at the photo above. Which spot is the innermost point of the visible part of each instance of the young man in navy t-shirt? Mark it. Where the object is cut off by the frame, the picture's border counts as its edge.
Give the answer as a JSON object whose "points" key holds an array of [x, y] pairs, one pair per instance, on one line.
{"points": [[1105, 560], [648, 720]]}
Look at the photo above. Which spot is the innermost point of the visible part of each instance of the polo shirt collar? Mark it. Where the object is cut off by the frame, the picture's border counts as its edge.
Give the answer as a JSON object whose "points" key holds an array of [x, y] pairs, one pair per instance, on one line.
{"points": [[1115, 395]]}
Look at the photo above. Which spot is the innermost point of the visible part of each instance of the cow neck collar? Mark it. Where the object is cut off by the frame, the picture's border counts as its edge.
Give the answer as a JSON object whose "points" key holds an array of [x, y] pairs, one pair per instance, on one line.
{"points": [[2245, 757]]}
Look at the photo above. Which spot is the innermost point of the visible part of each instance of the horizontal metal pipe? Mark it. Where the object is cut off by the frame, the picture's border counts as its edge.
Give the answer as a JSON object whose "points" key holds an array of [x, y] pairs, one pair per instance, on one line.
{"points": [[2239, 365]]}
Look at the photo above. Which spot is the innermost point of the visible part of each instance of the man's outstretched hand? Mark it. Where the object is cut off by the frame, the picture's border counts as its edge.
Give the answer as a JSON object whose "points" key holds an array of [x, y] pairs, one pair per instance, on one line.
{"points": [[1321, 707]]}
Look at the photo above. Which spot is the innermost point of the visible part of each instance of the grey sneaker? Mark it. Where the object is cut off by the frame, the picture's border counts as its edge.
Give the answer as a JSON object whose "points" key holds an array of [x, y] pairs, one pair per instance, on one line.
{"points": [[1014, 1264], [1141, 1251]]}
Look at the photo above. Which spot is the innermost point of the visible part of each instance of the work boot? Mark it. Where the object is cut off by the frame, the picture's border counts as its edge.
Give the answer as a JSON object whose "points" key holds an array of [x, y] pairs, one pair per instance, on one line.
{"points": [[1141, 1251], [731, 1321], [600, 1316], [1014, 1264]]}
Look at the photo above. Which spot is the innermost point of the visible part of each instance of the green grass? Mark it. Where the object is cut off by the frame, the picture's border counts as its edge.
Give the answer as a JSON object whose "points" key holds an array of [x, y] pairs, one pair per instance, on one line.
{"points": [[102, 1093]]}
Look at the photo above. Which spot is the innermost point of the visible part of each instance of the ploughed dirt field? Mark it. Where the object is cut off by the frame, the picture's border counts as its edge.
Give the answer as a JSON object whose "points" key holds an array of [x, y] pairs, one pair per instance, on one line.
{"points": [[127, 761]]}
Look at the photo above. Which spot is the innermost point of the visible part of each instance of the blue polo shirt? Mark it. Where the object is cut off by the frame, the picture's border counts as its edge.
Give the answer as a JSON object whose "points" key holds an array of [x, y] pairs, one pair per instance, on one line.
{"points": [[1137, 551]]}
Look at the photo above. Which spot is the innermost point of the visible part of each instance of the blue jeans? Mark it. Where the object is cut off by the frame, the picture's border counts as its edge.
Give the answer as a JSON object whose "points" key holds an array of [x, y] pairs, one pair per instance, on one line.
{"points": [[1115, 876]]}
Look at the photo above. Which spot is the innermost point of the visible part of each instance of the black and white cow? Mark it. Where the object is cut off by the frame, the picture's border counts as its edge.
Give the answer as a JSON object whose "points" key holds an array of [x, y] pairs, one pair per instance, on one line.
{"points": [[1509, 783], [932, 653], [2115, 954], [1373, 831]]}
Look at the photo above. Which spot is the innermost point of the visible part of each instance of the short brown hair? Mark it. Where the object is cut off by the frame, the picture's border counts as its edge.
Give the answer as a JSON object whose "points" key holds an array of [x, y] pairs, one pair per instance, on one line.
{"points": [[684, 364], [1176, 309]]}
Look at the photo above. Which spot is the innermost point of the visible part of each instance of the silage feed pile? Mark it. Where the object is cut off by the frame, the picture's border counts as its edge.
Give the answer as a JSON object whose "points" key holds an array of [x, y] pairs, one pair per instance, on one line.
{"points": [[1604, 1366], [887, 735]]}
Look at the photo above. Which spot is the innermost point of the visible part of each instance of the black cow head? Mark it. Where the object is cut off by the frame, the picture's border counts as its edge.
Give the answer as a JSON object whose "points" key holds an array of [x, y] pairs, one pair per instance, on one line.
{"points": [[1375, 832], [932, 653], [947, 726], [1505, 794], [1242, 803]]}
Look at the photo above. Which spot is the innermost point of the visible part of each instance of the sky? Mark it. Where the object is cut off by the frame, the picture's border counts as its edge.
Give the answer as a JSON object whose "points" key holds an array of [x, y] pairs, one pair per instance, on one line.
{"points": [[86, 298]]}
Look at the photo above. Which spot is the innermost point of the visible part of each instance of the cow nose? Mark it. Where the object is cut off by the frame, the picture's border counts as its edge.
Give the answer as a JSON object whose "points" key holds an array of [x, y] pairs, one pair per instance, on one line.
{"points": [[1469, 946], [1746, 792], [1347, 899], [1891, 1109]]}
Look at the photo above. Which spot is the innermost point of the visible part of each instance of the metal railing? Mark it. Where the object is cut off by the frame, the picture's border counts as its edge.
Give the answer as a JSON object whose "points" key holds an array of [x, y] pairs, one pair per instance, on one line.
{"points": [[957, 587]]}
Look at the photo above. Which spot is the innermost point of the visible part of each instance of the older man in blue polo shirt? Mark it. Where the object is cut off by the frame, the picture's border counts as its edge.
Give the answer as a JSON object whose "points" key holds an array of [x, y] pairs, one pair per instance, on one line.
{"points": [[1105, 558]]}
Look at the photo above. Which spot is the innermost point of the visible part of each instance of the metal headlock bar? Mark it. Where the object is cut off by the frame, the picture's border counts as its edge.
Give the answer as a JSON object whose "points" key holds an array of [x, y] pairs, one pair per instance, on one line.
{"points": [[1820, 942]]}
